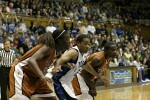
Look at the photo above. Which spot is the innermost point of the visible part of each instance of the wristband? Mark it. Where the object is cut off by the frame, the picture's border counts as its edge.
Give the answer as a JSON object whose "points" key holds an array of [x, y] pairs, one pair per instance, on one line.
{"points": [[50, 69], [49, 74]]}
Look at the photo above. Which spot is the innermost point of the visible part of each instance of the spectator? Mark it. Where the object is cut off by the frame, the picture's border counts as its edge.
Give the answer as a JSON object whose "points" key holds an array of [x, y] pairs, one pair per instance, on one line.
{"points": [[75, 30], [127, 56], [32, 27], [9, 8], [34, 10], [120, 31], [98, 29], [104, 30], [17, 11], [91, 28], [30, 12], [17, 3], [141, 75], [51, 27], [85, 29], [26, 45], [114, 34], [79, 27], [22, 25], [85, 9], [121, 60], [40, 29]]}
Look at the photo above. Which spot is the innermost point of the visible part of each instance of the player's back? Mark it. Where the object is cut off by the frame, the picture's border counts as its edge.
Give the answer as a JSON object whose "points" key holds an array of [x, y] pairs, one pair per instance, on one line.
{"points": [[23, 61]]}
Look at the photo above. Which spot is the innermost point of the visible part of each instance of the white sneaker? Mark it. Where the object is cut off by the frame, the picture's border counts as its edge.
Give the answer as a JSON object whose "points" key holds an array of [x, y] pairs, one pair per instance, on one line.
{"points": [[147, 80], [143, 81]]}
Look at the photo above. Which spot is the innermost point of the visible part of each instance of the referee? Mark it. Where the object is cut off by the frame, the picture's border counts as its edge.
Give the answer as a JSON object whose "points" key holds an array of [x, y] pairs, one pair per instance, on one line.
{"points": [[7, 57]]}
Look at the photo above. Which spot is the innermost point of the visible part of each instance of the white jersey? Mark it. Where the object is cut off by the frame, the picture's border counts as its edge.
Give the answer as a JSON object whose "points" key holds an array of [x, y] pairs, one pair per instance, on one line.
{"points": [[69, 74], [64, 77]]}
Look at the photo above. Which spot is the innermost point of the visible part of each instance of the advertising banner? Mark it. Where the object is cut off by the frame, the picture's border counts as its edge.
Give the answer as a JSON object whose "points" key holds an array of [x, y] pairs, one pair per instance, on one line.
{"points": [[120, 76]]}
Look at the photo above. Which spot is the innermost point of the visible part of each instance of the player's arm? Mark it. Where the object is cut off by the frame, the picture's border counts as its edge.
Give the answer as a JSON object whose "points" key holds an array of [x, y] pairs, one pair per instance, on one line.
{"points": [[90, 84], [71, 54], [89, 66], [38, 55], [94, 62]]}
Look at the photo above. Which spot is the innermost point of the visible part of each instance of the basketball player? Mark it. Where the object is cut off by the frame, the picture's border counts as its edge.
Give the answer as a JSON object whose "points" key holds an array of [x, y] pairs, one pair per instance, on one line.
{"points": [[84, 83], [26, 76], [62, 79]]}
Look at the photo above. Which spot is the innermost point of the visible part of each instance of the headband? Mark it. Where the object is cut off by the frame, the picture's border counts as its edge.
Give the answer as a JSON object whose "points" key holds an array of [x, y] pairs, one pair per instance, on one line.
{"points": [[60, 34]]}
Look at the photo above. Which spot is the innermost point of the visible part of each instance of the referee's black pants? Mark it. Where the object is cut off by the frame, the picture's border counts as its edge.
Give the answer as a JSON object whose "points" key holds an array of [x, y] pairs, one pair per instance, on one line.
{"points": [[4, 80]]}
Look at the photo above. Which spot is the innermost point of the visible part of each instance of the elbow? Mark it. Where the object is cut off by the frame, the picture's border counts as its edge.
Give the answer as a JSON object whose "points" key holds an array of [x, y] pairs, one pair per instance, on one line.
{"points": [[85, 67], [30, 61]]}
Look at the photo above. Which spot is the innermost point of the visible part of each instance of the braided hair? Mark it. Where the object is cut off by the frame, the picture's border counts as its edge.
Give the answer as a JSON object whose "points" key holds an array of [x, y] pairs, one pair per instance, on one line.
{"points": [[107, 44], [80, 38]]}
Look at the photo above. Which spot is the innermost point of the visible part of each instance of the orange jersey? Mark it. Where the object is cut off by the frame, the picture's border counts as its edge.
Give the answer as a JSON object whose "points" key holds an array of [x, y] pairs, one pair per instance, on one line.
{"points": [[45, 62], [103, 65], [77, 85]]}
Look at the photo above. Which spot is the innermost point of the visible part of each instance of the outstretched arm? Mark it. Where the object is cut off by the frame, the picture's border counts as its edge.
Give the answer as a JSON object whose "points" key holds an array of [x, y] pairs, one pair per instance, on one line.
{"points": [[89, 66], [71, 54]]}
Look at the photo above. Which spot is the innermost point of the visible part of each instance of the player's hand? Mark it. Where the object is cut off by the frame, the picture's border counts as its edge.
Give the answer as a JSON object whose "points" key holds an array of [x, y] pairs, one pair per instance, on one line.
{"points": [[55, 70], [46, 79], [103, 79]]}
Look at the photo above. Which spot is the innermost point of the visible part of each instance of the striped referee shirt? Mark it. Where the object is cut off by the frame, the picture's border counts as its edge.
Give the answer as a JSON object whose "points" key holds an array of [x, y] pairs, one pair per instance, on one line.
{"points": [[7, 58]]}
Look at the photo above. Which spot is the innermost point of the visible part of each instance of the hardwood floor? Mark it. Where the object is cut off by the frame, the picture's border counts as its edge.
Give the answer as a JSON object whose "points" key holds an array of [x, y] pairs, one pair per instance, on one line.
{"points": [[138, 92]]}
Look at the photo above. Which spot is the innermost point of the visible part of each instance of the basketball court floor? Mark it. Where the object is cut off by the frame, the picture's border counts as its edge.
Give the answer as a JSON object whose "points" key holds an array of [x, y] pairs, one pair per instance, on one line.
{"points": [[136, 92]]}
